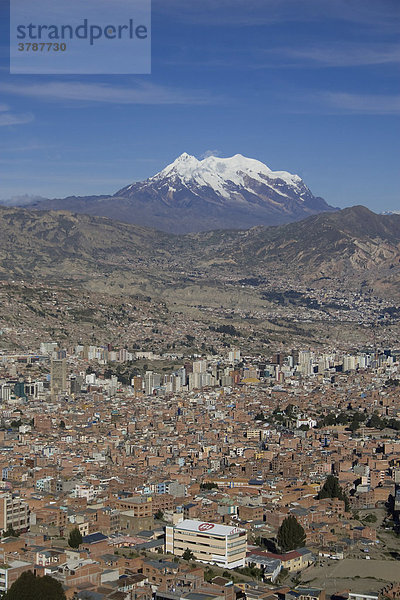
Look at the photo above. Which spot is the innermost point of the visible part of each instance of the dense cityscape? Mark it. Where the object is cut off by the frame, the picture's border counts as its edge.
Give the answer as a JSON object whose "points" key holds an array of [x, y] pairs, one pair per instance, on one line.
{"points": [[182, 480], [199, 300]]}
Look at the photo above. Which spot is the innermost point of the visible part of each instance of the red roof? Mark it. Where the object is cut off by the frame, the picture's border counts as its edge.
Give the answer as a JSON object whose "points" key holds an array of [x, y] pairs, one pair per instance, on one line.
{"points": [[283, 557]]}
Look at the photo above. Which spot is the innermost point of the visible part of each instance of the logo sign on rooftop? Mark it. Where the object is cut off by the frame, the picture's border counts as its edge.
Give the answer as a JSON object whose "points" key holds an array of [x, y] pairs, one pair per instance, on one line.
{"points": [[206, 526]]}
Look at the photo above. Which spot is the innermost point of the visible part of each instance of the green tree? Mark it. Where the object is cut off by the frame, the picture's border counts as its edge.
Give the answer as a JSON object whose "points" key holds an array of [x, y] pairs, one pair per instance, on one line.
{"points": [[188, 555], [75, 538], [29, 587], [393, 423], [228, 329], [259, 417], [47, 588], [330, 419], [253, 572], [354, 425], [209, 485], [332, 489], [10, 533], [376, 422], [291, 534], [342, 419], [62, 424], [371, 518], [289, 411], [282, 575], [23, 588]]}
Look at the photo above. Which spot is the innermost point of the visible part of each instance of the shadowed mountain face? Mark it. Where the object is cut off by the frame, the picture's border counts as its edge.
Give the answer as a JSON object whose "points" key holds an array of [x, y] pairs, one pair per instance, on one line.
{"points": [[215, 193], [352, 248]]}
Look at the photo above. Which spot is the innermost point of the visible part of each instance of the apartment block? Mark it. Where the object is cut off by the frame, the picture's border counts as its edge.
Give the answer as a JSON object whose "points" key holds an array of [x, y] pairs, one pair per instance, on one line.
{"points": [[14, 512]]}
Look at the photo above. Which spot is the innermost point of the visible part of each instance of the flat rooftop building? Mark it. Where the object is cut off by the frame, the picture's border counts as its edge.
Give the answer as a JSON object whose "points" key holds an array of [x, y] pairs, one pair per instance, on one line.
{"points": [[209, 542]]}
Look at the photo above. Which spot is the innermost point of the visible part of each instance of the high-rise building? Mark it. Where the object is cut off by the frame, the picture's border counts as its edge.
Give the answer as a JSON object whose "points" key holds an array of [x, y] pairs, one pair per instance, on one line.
{"points": [[349, 363], [58, 376], [5, 392], [137, 383], [19, 389], [277, 359], [234, 356], [75, 384], [199, 366], [151, 382]]}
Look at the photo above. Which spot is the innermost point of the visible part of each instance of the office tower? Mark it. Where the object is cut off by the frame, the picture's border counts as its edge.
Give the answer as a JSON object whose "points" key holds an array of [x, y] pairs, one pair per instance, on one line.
{"points": [[58, 376]]}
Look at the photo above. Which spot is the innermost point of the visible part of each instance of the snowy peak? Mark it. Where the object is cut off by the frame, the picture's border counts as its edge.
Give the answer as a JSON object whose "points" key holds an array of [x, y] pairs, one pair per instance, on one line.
{"points": [[213, 193], [221, 174], [183, 166]]}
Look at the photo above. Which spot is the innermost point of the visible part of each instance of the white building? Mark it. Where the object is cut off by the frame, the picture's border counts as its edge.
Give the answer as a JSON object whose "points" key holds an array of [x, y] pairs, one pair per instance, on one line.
{"points": [[84, 490], [234, 356], [306, 421], [209, 542]]}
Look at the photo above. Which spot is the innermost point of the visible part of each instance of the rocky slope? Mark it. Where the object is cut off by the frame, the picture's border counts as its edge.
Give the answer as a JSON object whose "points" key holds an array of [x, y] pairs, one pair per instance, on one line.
{"points": [[354, 248]]}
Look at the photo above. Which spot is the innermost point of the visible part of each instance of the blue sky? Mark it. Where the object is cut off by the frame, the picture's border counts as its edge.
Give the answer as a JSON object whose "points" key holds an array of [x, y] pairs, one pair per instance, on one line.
{"points": [[308, 86]]}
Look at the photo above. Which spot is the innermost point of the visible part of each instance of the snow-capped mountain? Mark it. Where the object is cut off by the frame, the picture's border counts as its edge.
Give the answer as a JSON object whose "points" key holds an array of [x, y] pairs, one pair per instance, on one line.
{"points": [[234, 192], [191, 195], [227, 177]]}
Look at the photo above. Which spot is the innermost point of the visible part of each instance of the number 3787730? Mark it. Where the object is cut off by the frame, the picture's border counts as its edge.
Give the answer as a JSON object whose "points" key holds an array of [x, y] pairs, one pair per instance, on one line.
{"points": [[42, 47]]}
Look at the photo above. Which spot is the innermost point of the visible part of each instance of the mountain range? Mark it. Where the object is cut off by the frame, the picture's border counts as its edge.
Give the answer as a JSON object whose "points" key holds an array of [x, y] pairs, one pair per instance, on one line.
{"points": [[331, 280], [192, 195], [351, 249]]}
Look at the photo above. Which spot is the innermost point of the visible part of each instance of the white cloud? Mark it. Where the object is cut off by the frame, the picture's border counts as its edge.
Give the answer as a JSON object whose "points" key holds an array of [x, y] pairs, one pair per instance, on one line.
{"points": [[378, 14], [341, 55], [342, 103], [8, 118], [141, 93], [208, 153], [334, 54], [377, 104]]}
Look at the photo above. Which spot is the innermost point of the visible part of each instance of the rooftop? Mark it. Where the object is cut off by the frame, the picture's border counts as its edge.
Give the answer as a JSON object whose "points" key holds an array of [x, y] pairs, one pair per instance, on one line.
{"points": [[208, 528]]}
